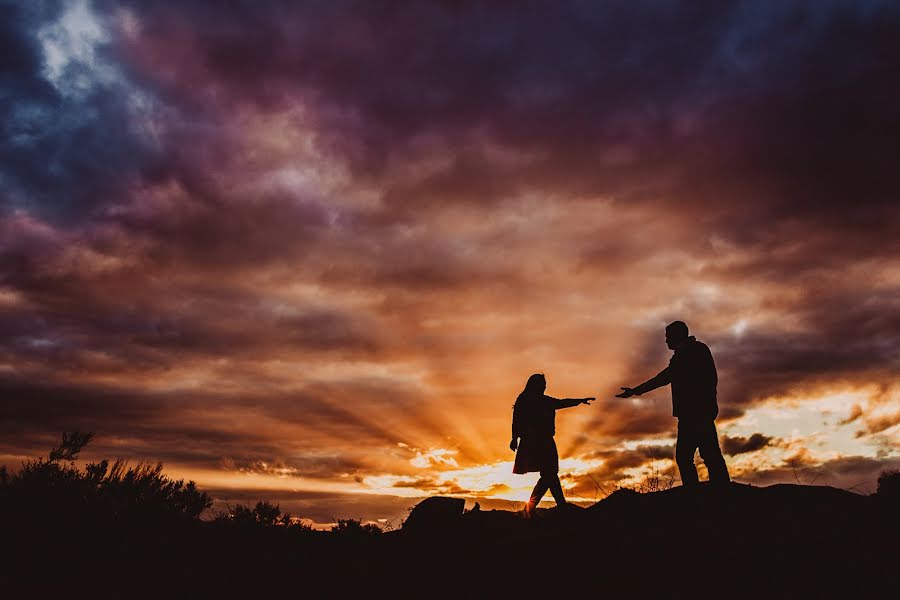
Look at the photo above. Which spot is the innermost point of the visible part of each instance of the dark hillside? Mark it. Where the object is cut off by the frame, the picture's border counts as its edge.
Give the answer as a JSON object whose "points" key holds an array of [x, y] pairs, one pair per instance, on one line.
{"points": [[117, 532]]}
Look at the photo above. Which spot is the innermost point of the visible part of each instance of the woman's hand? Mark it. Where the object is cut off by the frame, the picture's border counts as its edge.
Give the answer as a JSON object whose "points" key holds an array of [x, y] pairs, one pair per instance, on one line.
{"points": [[513, 444]]}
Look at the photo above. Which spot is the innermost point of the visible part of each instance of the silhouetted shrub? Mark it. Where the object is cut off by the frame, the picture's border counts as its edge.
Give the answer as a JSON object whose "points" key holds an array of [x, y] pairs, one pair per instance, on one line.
{"points": [[264, 514], [655, 483], [889, 484], [72, 445], [54, 487], [354, 527]]}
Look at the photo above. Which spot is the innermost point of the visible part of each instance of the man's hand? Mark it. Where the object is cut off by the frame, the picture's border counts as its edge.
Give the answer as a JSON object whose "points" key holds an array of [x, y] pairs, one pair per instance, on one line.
{"points": [[587, 400], [626, 393], [513, 444]]}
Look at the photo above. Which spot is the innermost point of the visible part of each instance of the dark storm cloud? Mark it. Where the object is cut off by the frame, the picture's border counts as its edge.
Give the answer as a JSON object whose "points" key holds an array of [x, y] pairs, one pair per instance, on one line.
{"points": [[71, 141], [846, 334], [741, 445], [730, 101], [721, 102], [22, 58]]}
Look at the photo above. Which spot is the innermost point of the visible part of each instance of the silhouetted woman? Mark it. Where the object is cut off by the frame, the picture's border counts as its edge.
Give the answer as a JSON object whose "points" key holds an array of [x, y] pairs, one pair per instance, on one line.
{"points": [[534, 425]]}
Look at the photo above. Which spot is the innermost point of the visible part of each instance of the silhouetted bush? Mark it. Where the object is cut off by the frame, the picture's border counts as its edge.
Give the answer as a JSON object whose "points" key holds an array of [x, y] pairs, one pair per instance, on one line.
{"points": [[264, 514], [654, 483], [353, 527], [55, 488]]}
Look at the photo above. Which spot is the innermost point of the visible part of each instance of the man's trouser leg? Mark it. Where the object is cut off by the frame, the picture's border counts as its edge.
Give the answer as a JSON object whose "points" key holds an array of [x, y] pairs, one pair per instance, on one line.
{"points": [[685, 447], [712, 454]]}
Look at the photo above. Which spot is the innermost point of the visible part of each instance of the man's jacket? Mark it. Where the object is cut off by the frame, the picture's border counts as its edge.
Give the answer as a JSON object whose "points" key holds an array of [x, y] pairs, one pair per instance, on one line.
{"points": [[692, 374]]}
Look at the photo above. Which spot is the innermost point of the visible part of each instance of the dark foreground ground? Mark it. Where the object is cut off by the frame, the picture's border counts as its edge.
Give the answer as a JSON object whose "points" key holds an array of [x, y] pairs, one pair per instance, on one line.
{"points": [[739, 541]]}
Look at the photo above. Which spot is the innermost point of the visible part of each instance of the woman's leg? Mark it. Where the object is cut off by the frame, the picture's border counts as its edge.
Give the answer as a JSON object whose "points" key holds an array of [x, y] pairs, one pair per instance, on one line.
{"points": [[551, 480], [540, 488]]}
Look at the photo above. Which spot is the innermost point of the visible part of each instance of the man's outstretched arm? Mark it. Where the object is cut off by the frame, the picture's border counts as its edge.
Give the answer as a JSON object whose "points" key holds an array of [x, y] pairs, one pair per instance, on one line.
{"points": [[662, 378]]}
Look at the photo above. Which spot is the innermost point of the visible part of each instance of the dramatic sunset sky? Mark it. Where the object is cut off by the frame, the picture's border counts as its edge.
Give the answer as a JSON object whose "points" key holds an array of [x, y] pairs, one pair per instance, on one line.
{"points": [[311, 251]]}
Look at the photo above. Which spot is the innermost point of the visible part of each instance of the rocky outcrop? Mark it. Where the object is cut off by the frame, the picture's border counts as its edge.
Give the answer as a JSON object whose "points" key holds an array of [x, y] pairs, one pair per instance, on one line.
{"points": [[434, 513]]}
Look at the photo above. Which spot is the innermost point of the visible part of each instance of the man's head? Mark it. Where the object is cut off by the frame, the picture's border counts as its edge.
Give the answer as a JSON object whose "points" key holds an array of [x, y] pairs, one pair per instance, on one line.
{"points": [[676, 334]]}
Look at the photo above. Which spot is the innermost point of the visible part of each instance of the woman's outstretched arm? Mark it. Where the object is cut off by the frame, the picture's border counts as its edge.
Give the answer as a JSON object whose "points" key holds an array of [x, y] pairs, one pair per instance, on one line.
{"points": [[568, 402]]}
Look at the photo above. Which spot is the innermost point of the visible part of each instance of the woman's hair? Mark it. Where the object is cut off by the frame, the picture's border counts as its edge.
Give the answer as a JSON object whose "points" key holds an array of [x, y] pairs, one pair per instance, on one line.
{"points": [[535, 386]]}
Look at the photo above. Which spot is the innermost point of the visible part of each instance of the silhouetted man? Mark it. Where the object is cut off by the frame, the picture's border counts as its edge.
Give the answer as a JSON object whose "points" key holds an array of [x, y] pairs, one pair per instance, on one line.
{"points": [[692, 373]]}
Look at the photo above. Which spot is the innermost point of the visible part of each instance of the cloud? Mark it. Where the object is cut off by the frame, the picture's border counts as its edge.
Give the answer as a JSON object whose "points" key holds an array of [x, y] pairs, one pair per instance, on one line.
{"points": [[859, 473], [434, 458], [431, 486], [877, 424], [855, 413], [75, 131], [622, 467], [569, 91], [742, 445]]}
